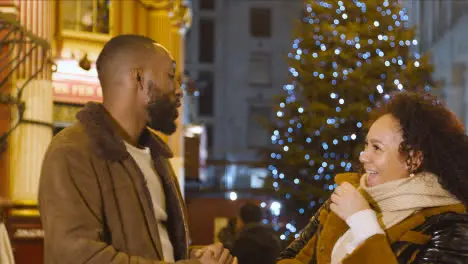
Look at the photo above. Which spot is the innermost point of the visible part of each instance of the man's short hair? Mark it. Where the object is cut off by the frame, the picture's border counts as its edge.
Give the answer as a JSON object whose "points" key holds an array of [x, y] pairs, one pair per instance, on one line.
{"points": [[122, 46], [250, 213]]}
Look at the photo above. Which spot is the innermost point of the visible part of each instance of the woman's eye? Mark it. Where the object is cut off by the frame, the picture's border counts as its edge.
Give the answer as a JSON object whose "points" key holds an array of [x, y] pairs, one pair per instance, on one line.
{"points": [[366, 146]]}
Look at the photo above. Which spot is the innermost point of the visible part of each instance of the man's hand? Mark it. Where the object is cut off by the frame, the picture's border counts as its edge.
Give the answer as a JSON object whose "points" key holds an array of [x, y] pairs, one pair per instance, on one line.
{"points": [[215, 254], [207, 257], [346, 201]]}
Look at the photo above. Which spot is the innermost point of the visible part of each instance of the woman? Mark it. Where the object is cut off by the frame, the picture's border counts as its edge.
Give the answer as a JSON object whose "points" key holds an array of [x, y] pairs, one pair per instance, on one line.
{"points": [[408, 205]]}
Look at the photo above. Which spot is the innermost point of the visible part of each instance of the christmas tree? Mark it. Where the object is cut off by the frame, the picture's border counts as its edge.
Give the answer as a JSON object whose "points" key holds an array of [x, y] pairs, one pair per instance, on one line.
{"points": [[346, 57]]}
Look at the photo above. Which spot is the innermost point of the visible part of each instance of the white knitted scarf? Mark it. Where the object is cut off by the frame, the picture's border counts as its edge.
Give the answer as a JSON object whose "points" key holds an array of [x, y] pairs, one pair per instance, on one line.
{"points": [[396, 200]]}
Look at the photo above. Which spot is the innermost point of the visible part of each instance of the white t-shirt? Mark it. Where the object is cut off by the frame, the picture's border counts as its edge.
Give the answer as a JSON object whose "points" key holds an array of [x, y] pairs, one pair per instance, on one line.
{"points": [[144, 161]]}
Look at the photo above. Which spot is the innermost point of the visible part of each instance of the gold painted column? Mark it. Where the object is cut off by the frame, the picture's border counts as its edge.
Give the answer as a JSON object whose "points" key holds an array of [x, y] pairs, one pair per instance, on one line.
{"points": [[180, 16], [29, 142], [176, 141], [6, 7], [165, 21], [158, 26]]}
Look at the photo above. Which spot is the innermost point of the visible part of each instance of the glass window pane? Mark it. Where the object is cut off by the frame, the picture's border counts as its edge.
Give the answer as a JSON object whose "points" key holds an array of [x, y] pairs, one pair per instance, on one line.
{"points": [[69, 15], [258, 135], [103, 7], [87, 16], [259, 68], [206, 40], [206, 98], [207, 4], [260, 22]]}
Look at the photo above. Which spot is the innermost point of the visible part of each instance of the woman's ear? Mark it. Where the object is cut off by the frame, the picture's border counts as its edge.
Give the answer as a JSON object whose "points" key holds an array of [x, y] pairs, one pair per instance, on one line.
{"points": [[415, 160]]}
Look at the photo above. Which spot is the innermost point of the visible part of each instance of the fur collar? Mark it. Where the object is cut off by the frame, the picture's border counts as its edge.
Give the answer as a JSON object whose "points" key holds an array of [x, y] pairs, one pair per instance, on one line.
{"points": [[106, 142]]}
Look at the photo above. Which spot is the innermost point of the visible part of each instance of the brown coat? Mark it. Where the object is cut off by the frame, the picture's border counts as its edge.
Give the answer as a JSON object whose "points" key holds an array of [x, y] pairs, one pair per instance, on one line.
{"points": [[376, 249], [94, 204]]}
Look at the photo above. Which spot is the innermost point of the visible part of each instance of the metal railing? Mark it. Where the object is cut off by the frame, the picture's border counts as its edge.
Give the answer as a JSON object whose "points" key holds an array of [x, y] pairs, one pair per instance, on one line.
{"points": [[17, 46]]}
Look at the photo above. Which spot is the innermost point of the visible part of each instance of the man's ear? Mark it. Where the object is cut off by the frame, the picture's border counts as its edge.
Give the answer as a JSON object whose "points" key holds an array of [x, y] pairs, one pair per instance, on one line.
{"points": [[137, 76]]}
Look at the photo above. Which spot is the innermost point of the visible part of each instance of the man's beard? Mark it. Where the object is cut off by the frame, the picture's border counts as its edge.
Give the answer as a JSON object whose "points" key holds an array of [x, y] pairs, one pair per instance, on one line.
{"points": [[162, 114]]}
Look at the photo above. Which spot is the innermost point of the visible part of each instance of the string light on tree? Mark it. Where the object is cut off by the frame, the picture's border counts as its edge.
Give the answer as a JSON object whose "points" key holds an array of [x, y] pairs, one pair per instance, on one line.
{"points": [[345, 57]]}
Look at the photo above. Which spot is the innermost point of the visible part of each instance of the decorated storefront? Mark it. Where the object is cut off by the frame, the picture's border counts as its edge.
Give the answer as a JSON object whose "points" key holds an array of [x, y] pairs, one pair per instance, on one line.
{"points": [[73, 87]]}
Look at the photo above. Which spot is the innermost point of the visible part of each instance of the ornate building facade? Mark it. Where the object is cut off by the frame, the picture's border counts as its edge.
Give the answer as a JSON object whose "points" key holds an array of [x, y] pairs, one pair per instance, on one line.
{"points": [[442, 34], [72, 33]]}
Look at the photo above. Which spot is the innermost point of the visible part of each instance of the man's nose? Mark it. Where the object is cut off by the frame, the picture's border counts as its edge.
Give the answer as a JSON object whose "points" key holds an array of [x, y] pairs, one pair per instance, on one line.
{"points": [[178, 90]]}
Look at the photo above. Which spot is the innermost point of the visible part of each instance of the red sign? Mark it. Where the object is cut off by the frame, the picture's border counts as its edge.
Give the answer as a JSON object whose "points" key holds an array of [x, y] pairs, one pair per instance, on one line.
{"points": [[76, 91]]}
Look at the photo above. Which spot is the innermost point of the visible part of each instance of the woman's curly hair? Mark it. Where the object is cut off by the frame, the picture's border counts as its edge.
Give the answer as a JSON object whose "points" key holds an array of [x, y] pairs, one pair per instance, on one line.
{"points": [[432, 129]]}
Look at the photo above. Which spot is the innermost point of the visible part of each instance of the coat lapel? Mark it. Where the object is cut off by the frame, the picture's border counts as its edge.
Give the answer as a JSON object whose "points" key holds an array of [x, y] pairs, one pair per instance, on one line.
{"points": [[333, 229], [145, 202], [174, 209], [395, 232]]}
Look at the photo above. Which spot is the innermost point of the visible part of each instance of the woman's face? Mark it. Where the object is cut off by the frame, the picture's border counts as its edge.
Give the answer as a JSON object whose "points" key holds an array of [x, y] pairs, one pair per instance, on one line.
{"points": [[381, 158]]}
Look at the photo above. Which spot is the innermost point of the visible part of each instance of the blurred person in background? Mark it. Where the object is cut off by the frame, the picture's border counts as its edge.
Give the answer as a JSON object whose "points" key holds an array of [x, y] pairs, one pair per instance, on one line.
{"points": [[227, 235], [256, 243]]}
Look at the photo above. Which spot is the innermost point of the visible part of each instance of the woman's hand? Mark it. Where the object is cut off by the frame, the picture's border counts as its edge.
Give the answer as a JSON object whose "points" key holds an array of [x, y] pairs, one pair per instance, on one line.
{"points": [[346, 201], [214, 253]]}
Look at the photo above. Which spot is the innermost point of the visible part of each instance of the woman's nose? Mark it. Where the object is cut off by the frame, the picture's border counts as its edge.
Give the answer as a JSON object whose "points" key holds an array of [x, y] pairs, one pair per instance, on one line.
{"points": [[364, 157]]}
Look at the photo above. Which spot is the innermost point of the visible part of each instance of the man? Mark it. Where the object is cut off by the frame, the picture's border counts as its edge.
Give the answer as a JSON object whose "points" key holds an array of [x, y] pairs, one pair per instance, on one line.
{"points": [[107, 192], [256, 243]]}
